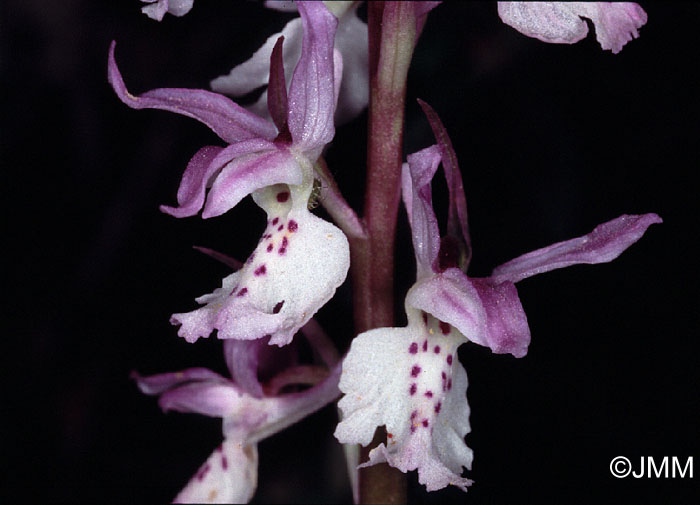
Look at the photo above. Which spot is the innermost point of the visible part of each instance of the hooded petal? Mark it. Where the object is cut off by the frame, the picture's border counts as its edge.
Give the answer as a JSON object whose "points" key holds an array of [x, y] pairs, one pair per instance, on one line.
{"points": [[205, 166], [250, 172], [312, 89], [605, 243], [409, 380], [230, 475], [228, 120], [295, 269], [416, 176], [561, 23], [157, 8]]}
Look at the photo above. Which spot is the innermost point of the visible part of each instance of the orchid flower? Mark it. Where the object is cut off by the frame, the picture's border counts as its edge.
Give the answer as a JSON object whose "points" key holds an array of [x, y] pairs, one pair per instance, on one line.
{"points": [[300, 259], [350, 40], [561, 23], [156, 9], [251, 411], [409, 379]]}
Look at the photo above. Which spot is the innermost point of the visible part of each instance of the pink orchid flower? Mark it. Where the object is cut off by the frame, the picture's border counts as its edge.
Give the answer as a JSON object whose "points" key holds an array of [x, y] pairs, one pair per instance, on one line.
{"points": [[300, 259], [250, 410], [410, 379]]}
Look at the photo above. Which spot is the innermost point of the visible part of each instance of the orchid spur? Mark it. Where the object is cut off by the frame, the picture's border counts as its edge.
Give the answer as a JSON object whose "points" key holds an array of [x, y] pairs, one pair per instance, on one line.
{"points": [[300, 259], [251, 410], [409, 379]]}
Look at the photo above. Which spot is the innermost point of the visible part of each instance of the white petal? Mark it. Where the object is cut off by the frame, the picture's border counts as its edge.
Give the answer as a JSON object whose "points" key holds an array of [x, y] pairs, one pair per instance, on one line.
{"points": [[230, 475], [409, 380]]}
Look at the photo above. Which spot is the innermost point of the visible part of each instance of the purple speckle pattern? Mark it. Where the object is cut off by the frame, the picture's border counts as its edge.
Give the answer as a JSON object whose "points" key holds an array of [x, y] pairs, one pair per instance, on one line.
{"points": [[278, 307], [224, 462], [283, 196], [242, 292], [292, 226], [430, 373], [261, 270]]}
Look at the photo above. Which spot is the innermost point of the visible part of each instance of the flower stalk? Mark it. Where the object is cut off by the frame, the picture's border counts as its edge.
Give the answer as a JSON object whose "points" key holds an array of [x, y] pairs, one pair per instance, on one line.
{"points": [[392, 34]]}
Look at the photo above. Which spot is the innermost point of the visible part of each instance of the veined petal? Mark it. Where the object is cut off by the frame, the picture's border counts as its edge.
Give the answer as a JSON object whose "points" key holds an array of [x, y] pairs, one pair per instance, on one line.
{"points": [[242, 361], [507, 330], [295, 269], [156, 384], [228, 120], [451, 297], [605, 243], [561, 23], [204, 167], [209, 398], [157, 8], [409, 380], [416, 176], [312, 89], [230, 475], [250, 172]]}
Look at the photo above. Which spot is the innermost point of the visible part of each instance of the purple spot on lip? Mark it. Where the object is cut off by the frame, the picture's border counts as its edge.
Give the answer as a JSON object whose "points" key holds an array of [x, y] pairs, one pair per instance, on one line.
{"points": [[414, 348], [413, 389], [425, 423], [285, 242], [282, 250], [261, 270], [425, 318], [437, 407], [437, 349], [425, 345], [429, 394], [203, 472], [242, 292], [445, 328], [278, 307], [449, 384], [415, 371], [413, 428], [269, 247], [414, 414], [449, 359], [292, 225], [280, 227], [224, 462], [283, 196], [275, 221]]}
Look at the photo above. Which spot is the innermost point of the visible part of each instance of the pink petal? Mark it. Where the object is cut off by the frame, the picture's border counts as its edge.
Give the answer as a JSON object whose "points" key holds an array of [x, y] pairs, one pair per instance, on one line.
{"points": [[203, 169], [210, 398], [242, 361], [277, 90], [605, 243], [156, 384], [507, 330], [312, 89], [245, 174], [416, 177], [457, 225], [228, 120]]}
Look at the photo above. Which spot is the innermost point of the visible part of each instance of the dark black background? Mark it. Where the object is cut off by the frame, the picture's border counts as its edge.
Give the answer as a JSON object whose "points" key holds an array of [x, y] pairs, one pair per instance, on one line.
{"points": [[552, 140]]}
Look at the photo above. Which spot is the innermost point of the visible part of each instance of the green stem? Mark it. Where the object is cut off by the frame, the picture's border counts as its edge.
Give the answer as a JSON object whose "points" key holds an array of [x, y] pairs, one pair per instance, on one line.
{"points": [[392, 33]]}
